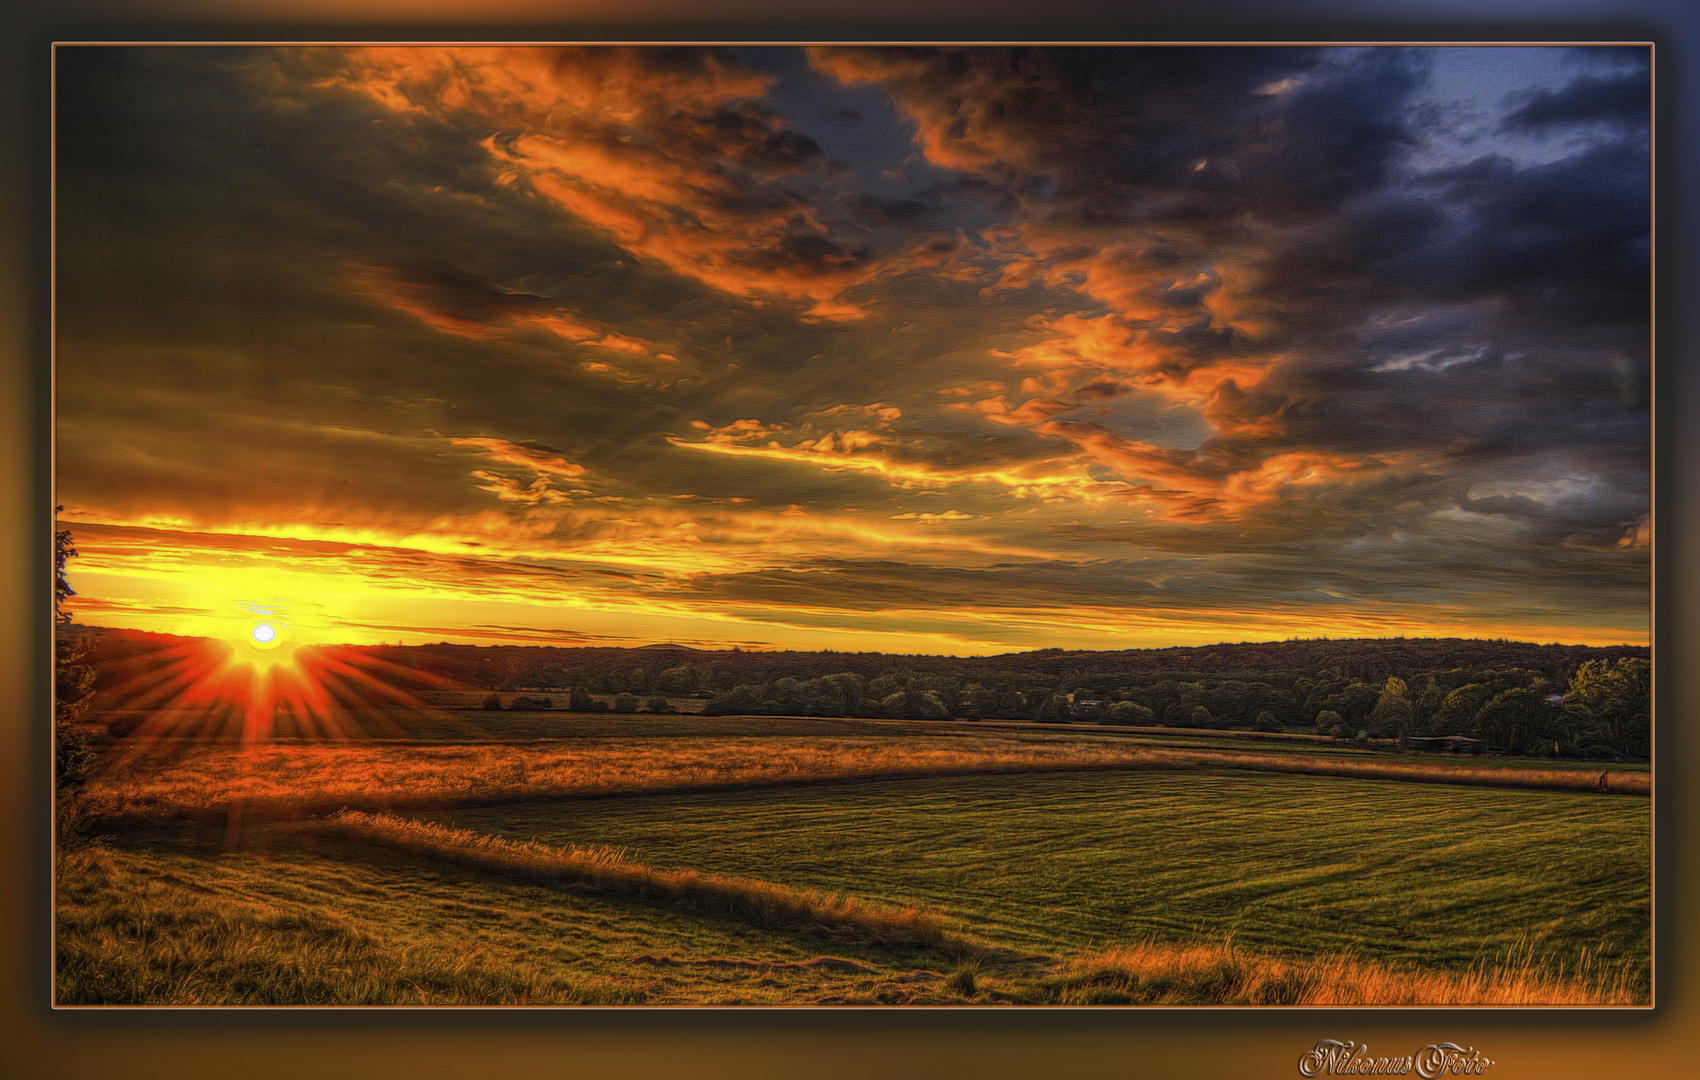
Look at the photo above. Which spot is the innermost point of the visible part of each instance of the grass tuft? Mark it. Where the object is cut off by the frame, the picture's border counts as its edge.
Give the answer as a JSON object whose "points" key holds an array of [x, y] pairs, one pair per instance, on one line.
{"points": [[962, 980]]}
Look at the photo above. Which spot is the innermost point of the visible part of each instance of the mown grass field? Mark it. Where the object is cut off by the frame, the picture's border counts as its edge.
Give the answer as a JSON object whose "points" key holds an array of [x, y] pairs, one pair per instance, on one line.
{"points": [[769, 861], [1062, 862]]}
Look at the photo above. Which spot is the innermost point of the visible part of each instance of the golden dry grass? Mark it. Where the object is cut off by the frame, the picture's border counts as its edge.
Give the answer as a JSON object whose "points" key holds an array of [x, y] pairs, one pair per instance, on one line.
{"points": [[307, 779], [289, 781], [1218, 973]]}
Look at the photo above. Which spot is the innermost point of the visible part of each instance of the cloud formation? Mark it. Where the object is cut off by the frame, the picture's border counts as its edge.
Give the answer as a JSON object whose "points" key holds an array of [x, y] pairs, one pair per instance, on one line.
{"points": [[984, 347]]}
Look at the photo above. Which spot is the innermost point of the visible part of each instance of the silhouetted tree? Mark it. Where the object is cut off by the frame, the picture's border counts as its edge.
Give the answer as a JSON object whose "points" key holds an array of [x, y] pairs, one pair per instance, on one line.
{"points": [[1128, 712], [581, 701], [1195, 716], [73, 683]]}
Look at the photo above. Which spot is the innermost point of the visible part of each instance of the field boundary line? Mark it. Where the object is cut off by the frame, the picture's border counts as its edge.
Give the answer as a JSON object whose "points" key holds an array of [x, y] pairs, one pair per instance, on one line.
{"points": [[1605, 782]]}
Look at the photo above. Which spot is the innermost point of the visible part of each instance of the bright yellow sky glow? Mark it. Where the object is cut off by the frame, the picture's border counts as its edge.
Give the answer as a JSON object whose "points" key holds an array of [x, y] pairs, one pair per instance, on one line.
{"points": [[328, 604]]}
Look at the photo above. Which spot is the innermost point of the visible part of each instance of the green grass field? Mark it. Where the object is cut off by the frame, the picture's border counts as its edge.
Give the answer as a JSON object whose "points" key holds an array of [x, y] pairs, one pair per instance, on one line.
{"points": [[1105, 884], [1060, 862]]}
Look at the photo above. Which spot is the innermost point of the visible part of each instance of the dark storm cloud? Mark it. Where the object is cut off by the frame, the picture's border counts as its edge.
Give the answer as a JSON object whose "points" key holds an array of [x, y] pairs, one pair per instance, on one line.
{"points": [[1565, 242], [1223, 146], [1622, 101], [1544, 268], [1112, 137]]}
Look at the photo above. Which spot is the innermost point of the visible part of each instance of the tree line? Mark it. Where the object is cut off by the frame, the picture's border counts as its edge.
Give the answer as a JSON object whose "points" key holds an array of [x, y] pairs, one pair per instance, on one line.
{"points": [[1510, 697]]}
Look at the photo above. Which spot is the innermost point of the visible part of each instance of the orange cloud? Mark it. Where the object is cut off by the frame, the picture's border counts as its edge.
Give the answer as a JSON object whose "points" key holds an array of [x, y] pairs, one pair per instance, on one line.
{"points": [[1275, 477], [1221, 480], [424, 303], [746, 256], [574, 330], [958, 121], [891, 457], [509, 490], [538, 459], [1086, 358], [471, 310], [665, 156], [1137, 307], [881, 413], [542, 87]]}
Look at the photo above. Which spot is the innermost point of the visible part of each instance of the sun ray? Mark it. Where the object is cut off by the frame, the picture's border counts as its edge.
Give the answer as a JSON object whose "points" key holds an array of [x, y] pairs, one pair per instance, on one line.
{"points": [[254, 690]]}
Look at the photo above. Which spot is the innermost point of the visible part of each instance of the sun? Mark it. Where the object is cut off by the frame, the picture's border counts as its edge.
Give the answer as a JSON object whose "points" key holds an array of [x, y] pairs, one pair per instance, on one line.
{"points": [[258, 682], [268, 640]]}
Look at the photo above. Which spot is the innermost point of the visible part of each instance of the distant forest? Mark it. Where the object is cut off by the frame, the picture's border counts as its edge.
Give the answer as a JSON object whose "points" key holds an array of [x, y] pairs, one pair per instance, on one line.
{"points": [[1512, 697]]}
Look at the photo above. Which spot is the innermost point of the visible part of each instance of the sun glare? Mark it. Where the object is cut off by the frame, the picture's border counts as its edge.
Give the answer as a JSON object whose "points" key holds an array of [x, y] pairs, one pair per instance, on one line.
{"points": [[268, 641], [259, 685]]}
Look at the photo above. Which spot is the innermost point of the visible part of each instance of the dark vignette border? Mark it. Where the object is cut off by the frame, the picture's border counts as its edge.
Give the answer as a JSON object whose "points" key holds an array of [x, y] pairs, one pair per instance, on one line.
{"points": [[720, 1042]]}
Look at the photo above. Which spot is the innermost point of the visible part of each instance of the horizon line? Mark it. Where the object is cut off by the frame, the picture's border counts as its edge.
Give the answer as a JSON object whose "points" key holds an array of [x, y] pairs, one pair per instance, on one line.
{"points": [[742, 649]]}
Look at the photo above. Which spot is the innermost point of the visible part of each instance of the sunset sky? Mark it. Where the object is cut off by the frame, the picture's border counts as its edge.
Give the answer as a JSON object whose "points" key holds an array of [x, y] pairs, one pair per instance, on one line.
{"points": [[936, 350]]}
